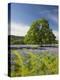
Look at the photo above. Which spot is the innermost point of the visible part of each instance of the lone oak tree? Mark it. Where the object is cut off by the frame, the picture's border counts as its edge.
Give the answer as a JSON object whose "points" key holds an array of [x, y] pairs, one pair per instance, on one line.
{"points": [[40, 33]]}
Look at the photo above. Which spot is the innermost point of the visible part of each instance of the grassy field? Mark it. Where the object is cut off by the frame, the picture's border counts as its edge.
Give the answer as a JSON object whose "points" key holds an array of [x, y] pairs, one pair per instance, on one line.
{"points": [[31, 64]]}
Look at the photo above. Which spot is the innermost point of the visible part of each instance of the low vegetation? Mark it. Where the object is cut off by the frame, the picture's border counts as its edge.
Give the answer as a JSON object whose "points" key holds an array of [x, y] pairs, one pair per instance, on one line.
{"points": [[44, 63]]}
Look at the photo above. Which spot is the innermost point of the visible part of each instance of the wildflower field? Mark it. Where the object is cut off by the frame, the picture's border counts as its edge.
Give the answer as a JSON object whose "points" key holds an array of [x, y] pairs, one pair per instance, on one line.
{"points": [[31, 64]]}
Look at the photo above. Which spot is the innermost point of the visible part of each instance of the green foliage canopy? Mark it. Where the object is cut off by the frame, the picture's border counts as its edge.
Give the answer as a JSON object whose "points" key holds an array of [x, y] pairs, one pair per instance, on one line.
{"points": [[40, 33]]}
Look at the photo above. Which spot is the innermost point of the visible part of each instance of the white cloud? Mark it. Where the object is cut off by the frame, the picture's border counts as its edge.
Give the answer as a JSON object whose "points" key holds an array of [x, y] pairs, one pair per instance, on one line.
{"points": [[56, 34], [19, 29]]}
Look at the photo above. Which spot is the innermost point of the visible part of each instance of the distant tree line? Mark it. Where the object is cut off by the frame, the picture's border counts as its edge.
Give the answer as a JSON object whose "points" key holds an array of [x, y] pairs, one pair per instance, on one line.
{"points": [[16, 39]]}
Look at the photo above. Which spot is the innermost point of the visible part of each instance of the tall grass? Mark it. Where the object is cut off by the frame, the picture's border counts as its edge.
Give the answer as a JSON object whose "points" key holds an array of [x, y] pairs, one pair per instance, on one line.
{"points": [[34, 64]]}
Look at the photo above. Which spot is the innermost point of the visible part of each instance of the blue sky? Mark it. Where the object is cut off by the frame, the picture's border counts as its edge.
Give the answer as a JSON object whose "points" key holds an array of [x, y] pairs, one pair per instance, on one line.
{"points": [[22, 15]]}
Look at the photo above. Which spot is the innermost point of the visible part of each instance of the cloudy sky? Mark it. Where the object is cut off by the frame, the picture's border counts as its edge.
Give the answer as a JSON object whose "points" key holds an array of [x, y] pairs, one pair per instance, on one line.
{"points": [[22, 15]]}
